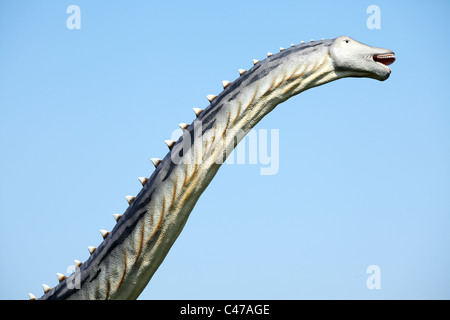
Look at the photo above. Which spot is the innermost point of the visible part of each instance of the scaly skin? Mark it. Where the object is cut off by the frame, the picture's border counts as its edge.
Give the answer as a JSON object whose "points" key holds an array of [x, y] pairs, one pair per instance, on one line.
{"points": [[124, 263]]}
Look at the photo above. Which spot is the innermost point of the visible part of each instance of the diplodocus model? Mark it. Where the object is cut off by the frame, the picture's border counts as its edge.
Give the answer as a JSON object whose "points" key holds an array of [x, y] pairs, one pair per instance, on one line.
{"points": [[123, 264]]}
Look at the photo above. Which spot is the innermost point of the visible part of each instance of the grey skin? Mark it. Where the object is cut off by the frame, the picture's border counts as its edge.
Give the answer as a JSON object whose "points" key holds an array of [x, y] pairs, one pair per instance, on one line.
{"points": [[125, 261]]}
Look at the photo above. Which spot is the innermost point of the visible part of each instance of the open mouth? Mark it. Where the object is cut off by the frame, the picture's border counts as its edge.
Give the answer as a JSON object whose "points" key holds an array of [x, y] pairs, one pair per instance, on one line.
{"points": [[385, 59]]}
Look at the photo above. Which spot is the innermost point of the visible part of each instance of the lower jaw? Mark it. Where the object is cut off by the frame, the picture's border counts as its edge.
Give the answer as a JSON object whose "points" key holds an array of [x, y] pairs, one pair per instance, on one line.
{"points": [[385, 67]]}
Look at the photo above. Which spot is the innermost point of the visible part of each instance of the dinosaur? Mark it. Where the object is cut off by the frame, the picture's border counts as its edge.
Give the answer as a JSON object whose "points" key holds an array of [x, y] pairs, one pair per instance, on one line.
{"points": [[123, 264]]}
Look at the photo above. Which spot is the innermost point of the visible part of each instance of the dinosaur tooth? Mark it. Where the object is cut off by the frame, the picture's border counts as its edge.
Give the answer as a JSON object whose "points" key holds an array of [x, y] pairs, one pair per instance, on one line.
{"points": [[312, 40], [241, 71], [78, 263], [32, 296], [255, 61], [281, 48], [156, 162], [60, 276], [104, 233], [130, 199], [183, 125], [91, 249], [292, 45], [225, 83], [143, 180], [198, 110], [117, 216], [269, 54], [210, 97], [46, 288], [169, 143]]}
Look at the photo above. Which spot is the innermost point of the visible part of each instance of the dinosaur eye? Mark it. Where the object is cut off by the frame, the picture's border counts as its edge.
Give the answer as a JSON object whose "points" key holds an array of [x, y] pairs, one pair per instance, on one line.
{"points": [[347, 41]]}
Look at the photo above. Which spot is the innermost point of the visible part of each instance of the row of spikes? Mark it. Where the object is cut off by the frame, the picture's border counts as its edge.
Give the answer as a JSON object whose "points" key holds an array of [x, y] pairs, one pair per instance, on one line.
{"points": [[105, 233], [143, 180]]}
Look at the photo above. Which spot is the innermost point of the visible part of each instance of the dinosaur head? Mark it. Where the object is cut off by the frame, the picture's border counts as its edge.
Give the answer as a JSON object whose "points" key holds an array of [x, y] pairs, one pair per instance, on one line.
{"points": [[355, 59]]}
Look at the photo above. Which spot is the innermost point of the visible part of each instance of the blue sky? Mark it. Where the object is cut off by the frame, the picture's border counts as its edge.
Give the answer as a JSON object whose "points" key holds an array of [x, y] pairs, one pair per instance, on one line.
{"points": [[364, 166]]}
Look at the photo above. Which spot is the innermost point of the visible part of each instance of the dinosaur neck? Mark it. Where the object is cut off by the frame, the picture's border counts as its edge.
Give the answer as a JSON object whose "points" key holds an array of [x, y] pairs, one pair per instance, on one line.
{"points": [[266, 85], [125, 261]]}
